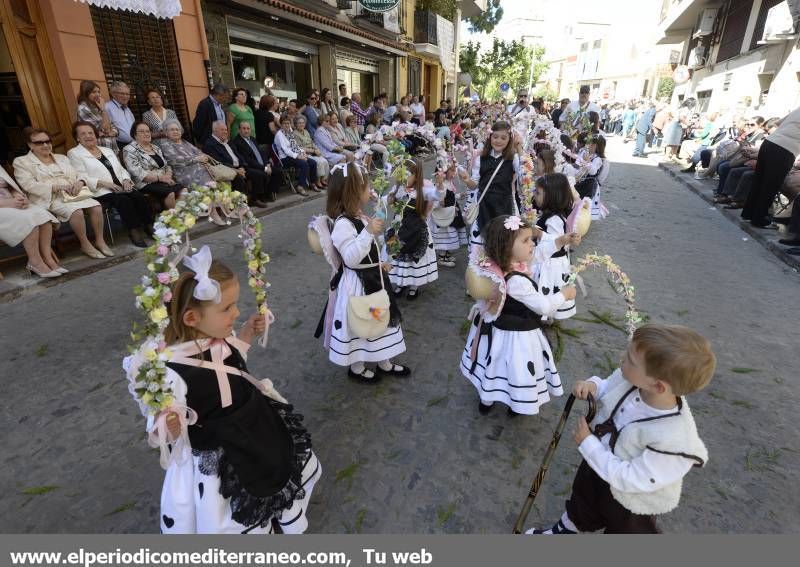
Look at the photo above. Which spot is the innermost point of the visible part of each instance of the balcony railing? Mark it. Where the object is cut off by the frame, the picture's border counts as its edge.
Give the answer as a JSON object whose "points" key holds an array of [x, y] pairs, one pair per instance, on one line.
{"points": [[344, 4], [425, 27]]}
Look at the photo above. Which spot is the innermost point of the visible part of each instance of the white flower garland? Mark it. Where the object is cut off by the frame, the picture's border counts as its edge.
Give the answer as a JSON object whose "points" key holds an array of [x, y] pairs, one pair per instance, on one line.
{"points": [[148, 364]]}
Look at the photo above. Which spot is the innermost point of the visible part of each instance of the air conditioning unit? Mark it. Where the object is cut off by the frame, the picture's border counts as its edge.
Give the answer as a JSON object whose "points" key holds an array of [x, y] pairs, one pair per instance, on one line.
{"points": [[698, 56], [779, 24], [706, 24]]}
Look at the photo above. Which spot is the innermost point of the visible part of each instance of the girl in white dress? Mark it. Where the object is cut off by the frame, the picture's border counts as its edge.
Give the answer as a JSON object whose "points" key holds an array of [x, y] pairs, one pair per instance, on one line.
{"points": [[353, 238], [415, 264], [453, 236], [554, 200], [239, 459], [507, 357]]}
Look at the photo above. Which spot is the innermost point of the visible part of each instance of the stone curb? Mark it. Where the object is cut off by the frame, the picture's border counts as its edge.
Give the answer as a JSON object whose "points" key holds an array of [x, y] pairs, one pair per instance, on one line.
{"points": [[82, 267], [705, 190]]}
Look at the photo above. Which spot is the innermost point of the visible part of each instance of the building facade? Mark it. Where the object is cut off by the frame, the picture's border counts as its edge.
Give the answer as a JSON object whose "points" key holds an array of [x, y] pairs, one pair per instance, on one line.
{"points": [[287, 46], [742, 56]]}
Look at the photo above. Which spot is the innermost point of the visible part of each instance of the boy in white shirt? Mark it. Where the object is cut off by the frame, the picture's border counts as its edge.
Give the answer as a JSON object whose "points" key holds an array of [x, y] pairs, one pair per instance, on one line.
{"points": [[644, 440]]}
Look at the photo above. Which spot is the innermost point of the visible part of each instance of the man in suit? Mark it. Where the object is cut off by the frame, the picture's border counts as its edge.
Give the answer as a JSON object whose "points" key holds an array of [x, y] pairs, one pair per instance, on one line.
{"points": [[643, 126], [217, 147], [210, 110], [257, 165]]}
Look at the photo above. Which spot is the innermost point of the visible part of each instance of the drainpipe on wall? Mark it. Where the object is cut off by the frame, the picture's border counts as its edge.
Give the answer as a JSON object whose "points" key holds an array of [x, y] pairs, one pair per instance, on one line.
{"points": [[198, 8]]}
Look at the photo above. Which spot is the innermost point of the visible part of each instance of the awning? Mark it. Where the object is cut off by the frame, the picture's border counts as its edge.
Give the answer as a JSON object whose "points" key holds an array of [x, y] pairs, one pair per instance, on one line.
{"points": [[166, 9], [299, 15]]}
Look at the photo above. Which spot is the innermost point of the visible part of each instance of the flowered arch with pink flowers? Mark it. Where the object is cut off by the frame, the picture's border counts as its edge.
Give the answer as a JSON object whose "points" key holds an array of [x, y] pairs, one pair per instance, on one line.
{"points": [[153, 292]]}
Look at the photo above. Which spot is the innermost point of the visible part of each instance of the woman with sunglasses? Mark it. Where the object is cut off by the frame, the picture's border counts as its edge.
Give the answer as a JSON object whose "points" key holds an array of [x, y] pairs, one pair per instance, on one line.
{"points": [[50, 181], [312, 113]]}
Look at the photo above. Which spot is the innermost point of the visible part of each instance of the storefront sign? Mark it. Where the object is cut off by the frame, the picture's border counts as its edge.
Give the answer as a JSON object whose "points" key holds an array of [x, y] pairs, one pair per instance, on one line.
{"points": [[378, 5]]}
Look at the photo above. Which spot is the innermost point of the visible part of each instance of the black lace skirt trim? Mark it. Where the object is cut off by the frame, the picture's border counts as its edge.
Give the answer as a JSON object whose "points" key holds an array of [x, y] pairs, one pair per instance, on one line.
{"points": [[254, 511]]}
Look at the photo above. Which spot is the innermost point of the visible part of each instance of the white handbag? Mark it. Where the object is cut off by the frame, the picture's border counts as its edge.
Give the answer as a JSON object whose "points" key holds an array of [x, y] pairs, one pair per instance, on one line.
{"points": [[368, 315], [471, 213], [443, 216]]}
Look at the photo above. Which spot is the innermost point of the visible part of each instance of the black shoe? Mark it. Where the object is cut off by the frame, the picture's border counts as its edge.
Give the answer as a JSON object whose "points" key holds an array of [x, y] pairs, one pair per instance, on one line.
{"points": [[413, 294], [782, 220], [511, 413], [484, 409], [397, 371], [790, 241], [398, 292], [273, 197], [363, 377], [689, 169], [793, 251], [137, 238]]}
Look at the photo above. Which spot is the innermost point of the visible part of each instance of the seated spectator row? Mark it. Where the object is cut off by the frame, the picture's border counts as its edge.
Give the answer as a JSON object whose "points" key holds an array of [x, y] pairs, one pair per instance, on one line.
{"points": [[754, 161]]}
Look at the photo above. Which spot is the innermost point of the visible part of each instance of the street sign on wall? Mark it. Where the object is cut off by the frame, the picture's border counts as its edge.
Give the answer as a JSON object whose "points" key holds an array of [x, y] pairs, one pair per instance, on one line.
{"points": [[379, 5]]}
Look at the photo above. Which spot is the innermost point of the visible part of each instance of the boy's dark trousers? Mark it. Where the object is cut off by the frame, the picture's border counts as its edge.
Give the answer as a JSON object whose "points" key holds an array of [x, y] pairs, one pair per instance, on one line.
{"points": [[591, 507]]}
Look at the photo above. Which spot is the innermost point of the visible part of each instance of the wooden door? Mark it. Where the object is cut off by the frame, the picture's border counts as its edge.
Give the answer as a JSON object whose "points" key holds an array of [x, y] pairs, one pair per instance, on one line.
{"points": [[35, 67], [414, 76], [426, 89]]}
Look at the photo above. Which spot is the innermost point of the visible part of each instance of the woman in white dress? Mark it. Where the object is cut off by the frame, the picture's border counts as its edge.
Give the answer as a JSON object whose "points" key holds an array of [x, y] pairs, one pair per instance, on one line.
{"points": [[51, 182], [30, 225]]}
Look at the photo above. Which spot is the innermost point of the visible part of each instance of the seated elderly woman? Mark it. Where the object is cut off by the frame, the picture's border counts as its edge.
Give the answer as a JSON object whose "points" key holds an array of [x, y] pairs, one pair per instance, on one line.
{"points": [[304, 141], [187, 162], [109, 183], [148, 168], [21, 222], [51, 182], [331, 150], [339, 134], [351, 135]]}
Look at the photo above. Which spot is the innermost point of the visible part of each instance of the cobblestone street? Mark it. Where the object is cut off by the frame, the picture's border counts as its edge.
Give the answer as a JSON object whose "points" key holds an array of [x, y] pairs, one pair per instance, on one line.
{"points": [[414, 455]]}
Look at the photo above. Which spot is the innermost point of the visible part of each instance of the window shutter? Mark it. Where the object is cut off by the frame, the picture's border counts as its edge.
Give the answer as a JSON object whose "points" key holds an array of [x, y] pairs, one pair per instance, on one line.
{"points": [[142, 51]]}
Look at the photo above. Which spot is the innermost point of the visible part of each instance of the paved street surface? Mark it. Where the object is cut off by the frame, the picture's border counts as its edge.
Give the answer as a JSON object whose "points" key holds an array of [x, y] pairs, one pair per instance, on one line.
{"points": [[414, 455]]}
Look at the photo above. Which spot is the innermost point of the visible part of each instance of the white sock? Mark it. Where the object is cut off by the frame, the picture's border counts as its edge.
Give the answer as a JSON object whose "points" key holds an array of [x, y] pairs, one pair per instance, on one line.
{"points": [[358, 367], [413, 288], [567, 522], [386, 365]]}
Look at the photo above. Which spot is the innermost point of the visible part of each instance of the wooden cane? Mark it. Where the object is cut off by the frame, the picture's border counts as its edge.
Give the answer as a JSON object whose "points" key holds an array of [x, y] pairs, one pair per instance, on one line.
{"points": [[537, 481]]}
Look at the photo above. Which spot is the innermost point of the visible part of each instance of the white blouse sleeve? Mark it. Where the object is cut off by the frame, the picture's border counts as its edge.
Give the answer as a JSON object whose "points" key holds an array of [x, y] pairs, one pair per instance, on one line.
{"points": [[179, 389], [594, 166], [521, 289], [648, 472], [352, 246], [516, 165], [432, 193]]}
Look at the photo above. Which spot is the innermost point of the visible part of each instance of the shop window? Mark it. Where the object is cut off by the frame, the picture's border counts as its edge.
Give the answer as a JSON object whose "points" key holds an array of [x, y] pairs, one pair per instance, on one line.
{"points": [[703, 101], [141, 51], [735, 28], [259, 71]]}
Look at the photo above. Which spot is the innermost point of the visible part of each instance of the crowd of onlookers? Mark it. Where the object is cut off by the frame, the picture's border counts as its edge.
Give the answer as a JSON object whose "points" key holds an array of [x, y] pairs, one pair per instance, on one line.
{"points": [[140, 165], [753, 159]]}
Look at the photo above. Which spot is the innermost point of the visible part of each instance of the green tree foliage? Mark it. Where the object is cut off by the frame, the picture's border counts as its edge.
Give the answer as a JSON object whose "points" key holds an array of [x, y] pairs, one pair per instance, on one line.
{"points": [[486, 21], [665, 87], [505, 62], [546, 94], [445, 8]]}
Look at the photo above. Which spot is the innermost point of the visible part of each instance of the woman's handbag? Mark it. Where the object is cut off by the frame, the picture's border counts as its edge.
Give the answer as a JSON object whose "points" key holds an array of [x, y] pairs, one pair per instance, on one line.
{"points": [[443, 216], [368, 315], [84, 193], [220, 171], [471, 214]]}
